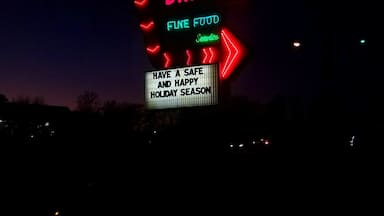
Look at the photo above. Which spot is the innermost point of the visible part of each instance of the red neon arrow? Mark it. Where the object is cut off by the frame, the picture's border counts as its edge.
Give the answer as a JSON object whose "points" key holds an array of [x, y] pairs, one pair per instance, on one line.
{"points": [[168, 60], [141, 3], [213, 55], [234, 53], [189, 57], [205, 60], [154, 49], [209, 55], [148, 26]]}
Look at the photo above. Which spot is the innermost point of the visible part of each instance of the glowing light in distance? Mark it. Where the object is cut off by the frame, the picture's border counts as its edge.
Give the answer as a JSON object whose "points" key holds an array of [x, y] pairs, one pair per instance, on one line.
{"points": [[352, 142], [296, 44], [241, 145], [362, 41]]}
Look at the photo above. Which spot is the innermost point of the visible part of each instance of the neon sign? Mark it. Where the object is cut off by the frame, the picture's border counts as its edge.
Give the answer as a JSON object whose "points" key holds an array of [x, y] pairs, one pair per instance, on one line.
{"points": [[147, 26], [204, 39], [209, 55], [179, 33], [153, 49], [141, 3], [178, 24], [198, 22], [171, 2], [206, 21], [234, 52]]}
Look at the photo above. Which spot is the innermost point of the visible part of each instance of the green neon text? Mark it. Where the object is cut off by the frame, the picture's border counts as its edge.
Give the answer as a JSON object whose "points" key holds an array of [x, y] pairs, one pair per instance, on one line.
{"points": [[197, 22], [206, 21], [207, 38], [178, 25]]}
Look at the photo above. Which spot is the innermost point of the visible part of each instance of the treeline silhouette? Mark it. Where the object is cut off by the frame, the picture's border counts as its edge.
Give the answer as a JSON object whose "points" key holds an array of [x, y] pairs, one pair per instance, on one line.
{"points": [[104, 150], [324, 124]]}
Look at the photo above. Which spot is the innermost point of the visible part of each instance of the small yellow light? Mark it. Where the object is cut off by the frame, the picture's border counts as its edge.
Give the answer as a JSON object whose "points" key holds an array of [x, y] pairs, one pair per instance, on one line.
{"points": [[57, 213]]}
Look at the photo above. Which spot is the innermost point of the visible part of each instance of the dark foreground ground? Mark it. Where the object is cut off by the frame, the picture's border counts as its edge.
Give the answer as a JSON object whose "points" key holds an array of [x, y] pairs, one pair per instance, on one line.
{"points": [[109, 179], [89, 166]]}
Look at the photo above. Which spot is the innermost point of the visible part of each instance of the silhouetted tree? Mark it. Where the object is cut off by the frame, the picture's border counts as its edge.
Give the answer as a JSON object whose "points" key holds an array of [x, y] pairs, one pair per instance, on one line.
{"points": [[88, 102], [22, 100], [38, 100], [29, 100], [110, 106], [3, 99]]}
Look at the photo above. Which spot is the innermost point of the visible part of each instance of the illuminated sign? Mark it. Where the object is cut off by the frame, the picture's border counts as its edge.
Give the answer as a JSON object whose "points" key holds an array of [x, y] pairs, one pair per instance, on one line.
{"points": [[179, 33], [204, 39], [182, 87], [206, 21], [171, 2], [178, 24], [198, 22], [175, 31]]}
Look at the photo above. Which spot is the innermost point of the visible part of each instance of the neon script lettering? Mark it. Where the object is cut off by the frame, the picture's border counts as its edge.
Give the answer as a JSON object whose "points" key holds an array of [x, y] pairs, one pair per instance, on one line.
{"points": [[203, 39], [171, 2]]}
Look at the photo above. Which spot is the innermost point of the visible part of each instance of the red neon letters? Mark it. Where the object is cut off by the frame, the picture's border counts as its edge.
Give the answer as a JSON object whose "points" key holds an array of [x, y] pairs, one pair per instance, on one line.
{"points": [[171, 2], [141, 3]]}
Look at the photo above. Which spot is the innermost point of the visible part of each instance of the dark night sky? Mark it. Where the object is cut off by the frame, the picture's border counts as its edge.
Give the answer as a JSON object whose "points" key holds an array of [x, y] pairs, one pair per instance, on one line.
{"points": [[59, 48]]}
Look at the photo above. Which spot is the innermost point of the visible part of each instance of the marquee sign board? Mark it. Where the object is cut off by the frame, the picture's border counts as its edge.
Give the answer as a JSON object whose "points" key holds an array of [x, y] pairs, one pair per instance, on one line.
{"points": [[182, 87]]}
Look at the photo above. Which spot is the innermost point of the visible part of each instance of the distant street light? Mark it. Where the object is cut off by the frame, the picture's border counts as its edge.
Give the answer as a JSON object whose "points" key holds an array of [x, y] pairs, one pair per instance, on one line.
{"points": [[362, 41], [296, 44], [352, 142]]}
